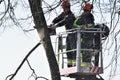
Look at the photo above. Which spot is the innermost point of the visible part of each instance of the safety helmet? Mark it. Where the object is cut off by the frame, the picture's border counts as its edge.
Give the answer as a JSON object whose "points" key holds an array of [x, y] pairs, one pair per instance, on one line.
{"points": [[65, 4], [87, 7]]}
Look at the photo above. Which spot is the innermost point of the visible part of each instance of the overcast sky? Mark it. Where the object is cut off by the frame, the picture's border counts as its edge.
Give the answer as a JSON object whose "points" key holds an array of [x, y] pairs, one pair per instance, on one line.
{"points": [[14, 46]]}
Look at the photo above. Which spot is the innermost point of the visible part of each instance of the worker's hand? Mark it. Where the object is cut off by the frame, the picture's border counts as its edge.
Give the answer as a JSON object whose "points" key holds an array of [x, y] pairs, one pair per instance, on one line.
{"points": [[50, 25], [54, 26]]}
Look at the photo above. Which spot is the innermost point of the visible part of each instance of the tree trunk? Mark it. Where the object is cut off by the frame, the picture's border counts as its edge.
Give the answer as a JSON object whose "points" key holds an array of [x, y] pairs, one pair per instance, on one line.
{"points": [[41, 27]]}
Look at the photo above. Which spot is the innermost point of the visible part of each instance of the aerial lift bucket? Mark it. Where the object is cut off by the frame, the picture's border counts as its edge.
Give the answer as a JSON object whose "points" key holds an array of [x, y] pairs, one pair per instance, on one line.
{"points": [[83, 68]]}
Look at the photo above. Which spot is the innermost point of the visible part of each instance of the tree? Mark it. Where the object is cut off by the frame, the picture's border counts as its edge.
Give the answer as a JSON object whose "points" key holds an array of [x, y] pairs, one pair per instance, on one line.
{"points": [[41, 27], [102, 9]]}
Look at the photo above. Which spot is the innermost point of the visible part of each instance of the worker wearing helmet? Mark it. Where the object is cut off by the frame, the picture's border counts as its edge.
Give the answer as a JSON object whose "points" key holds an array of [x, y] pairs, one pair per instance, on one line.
{"points": [[66, 18], [87, 7], [86, 20]]}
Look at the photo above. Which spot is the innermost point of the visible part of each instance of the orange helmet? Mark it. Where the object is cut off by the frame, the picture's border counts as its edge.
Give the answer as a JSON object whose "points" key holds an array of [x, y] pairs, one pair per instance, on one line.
{"points": [[87, 7], [65, 4]]}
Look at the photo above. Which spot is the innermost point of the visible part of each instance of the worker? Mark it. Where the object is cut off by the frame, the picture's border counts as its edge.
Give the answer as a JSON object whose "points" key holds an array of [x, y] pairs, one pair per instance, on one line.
{"points": [[66, 18], [86, 20], [98, 39]]}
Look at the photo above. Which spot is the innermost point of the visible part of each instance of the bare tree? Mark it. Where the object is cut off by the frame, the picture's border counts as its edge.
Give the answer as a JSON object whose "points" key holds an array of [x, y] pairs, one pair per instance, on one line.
{"points": [[102, 10], [41, 27]]}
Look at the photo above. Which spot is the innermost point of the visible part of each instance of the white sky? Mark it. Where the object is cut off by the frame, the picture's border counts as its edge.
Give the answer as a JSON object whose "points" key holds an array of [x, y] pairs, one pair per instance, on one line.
{"points": [[14, 46]]}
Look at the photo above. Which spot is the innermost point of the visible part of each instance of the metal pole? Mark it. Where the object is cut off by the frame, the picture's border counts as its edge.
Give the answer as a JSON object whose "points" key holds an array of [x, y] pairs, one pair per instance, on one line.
{"points": [[101, 50], [78, 50]]}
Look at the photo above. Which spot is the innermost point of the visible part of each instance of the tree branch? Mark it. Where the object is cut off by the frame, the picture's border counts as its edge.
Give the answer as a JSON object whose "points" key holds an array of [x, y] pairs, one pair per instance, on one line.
{"points": [[24, 60]]}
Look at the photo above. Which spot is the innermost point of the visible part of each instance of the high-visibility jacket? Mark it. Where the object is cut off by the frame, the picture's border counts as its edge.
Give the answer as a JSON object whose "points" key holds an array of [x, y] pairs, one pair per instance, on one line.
{"points": [[85, 19]]}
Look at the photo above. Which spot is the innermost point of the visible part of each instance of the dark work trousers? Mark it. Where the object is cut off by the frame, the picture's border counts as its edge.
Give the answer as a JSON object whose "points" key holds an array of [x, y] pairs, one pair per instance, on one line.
{"points": [[87, 43], [71, 44], [97, 46]]}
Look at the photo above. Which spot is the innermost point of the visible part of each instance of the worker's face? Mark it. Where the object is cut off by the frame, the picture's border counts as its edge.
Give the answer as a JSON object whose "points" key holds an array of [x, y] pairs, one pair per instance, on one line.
{"points": [[66, 10], [87, 10]]}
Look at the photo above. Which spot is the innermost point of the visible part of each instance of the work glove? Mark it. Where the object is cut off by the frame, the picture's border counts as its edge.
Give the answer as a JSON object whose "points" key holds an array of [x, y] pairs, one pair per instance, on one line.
{"points": [[54, 26], [50, 25], [51, 30]]}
